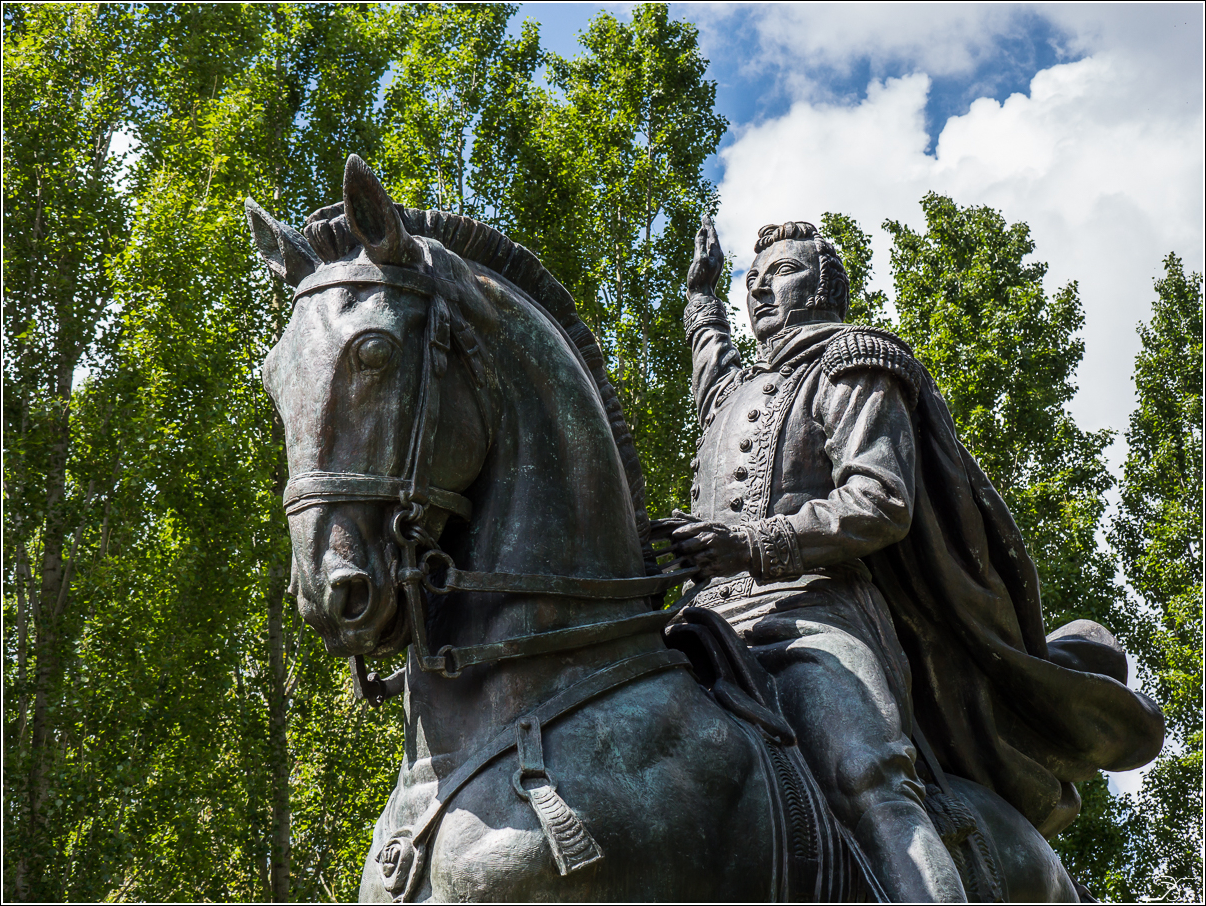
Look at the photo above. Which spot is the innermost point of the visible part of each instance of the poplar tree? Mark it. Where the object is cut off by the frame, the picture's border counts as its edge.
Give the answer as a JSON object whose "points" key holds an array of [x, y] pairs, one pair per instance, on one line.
{"points": [[68, 86], [172, 731], [1158, 535], [641, 104]]}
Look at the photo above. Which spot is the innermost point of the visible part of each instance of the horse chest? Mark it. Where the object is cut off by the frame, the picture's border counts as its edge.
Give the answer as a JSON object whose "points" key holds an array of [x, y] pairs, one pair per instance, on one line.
{"points": [[645, 791]]}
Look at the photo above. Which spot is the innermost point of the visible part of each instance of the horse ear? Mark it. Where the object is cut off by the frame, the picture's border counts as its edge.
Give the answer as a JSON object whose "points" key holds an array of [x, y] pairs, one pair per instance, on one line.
{"points": [[283, 248], [373, 219]]}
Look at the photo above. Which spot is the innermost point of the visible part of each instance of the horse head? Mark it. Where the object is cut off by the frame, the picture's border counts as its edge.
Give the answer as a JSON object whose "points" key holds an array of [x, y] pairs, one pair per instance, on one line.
{"points": [[383, 323], [440, 394]]}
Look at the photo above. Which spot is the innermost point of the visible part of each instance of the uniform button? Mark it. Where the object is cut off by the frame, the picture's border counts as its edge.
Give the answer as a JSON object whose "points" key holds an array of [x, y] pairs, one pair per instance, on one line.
{"points": [[768, 387], [695, 493], [786, 370], [741, 473], [695, 464], [725, 591], [746, 443], [752, 415], [735, 503], [708, 421]]}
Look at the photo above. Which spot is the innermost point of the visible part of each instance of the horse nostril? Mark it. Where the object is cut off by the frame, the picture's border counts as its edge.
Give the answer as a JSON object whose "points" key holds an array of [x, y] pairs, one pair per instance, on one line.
{"points": [[358, 598]]}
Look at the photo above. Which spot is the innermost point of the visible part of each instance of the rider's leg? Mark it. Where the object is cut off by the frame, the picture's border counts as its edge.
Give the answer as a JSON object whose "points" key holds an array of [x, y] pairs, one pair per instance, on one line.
{"points": [[835, 693]]}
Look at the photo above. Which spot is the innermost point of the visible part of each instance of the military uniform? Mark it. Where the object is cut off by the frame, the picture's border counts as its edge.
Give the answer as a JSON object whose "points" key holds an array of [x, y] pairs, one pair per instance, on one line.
{"points": [[811, 453]]}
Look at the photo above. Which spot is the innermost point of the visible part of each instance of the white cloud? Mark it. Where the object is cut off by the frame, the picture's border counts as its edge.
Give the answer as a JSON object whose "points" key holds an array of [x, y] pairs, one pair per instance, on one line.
{"points": [[1108, 183], [941, 38]]}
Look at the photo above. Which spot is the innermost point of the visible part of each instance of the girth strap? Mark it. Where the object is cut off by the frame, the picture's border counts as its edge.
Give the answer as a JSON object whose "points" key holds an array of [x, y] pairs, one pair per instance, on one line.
{"points": [[577, 695]]}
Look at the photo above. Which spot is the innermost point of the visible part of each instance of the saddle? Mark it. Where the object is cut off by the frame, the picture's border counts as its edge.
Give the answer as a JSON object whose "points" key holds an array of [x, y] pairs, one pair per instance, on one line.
{"points": [[816, 859]]}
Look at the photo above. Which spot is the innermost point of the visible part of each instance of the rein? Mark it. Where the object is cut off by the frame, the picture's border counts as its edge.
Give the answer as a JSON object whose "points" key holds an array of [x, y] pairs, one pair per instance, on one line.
{"points": [[414, 495]]}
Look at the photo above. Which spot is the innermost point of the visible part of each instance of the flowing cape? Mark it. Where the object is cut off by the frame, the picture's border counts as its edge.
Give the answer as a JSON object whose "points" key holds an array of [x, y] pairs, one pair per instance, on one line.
{"points": [[1001, 704]]}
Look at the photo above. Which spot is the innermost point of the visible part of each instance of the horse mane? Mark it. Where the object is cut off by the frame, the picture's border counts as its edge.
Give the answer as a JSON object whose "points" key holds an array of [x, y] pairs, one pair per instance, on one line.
{"points": [[488, 247]]}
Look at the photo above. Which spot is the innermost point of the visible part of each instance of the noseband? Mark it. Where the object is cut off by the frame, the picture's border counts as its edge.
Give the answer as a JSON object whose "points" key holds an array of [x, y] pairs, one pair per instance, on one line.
{"points": [[414, 495]]}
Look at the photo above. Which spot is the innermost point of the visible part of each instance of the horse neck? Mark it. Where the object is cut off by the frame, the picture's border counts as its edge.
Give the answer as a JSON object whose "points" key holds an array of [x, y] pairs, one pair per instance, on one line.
{"points": [[552, 499], [552, 496]]}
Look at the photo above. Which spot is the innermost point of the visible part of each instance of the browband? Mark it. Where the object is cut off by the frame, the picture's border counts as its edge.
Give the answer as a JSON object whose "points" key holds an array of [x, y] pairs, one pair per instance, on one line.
{"points": [[316, 488], [400, 277]]}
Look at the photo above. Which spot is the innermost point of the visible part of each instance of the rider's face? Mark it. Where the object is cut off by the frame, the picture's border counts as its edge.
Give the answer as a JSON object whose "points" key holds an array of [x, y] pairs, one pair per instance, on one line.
{"points": [[781, 280]]}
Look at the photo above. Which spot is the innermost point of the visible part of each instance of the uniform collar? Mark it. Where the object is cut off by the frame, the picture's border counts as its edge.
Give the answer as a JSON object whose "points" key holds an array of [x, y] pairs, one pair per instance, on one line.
{"points": [[795, 341]]}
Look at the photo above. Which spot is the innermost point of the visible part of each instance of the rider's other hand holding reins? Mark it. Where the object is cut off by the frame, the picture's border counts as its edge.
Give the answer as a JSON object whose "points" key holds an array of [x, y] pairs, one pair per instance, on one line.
{"points": [[716, 549]]}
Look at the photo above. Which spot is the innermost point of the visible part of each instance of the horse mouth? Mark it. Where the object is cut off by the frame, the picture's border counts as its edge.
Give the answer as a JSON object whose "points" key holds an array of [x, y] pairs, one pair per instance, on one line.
{"points": [[395, 636]]}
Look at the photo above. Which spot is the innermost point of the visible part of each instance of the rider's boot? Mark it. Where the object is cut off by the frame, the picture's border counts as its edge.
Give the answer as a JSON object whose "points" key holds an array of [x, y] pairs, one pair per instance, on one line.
{"points": [[909, 858]]}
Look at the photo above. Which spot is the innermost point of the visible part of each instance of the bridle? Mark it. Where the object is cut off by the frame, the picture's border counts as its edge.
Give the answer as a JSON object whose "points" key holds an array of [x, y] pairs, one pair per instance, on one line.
{"points": [[414, 496]]}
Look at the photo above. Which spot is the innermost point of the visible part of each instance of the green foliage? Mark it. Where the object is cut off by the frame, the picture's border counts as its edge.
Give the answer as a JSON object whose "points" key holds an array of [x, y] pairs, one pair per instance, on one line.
{"points": [[854, 247], [67, 85], [171, 730], [455, 107], [166, 765], [1158, 535], [640, 103], [1004, 354]]}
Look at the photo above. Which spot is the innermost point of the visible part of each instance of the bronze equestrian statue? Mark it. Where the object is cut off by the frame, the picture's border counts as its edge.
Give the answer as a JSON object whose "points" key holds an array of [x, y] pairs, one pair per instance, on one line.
{"points": [[463, 486]]}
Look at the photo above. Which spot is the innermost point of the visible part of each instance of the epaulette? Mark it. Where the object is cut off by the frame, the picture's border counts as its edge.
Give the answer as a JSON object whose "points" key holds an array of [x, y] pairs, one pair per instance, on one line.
{"points": [[868, 347]]}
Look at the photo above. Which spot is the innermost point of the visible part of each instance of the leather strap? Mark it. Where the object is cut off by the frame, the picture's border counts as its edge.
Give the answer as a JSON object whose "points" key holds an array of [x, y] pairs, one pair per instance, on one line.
{"points": [[400, 277], [457, 659], [931, 759], [315, 488], [559, 586], [605, 680]]}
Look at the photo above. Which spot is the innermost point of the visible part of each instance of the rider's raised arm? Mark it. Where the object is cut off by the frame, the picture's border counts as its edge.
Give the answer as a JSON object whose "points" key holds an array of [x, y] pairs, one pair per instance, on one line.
{"points": [[714, 359], [867, 418]]}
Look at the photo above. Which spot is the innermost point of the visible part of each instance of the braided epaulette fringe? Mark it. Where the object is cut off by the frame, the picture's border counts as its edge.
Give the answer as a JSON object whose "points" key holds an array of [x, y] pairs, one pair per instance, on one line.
{"points": [[868, 347]]}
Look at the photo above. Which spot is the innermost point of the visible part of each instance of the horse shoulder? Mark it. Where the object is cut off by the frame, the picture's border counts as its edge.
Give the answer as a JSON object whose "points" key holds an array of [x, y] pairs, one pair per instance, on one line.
{"points": [[663, 779]]}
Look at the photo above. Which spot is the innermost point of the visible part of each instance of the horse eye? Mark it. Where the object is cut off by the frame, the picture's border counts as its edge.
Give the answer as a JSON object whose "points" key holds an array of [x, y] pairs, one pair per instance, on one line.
{"points": [[373, 353]]}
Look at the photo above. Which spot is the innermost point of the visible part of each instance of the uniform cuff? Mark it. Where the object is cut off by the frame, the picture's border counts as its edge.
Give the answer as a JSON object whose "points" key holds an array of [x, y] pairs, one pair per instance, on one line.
{"points": [[774, 553], [704, 311]]}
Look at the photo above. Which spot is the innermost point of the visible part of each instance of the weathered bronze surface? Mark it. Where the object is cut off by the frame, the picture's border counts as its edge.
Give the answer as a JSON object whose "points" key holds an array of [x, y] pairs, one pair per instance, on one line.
{"points": [[463, 486], [852, 542]]}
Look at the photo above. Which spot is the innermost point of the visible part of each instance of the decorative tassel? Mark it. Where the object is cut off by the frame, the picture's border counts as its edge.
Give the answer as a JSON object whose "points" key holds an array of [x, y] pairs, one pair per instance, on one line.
{"points": [[572, 845]]}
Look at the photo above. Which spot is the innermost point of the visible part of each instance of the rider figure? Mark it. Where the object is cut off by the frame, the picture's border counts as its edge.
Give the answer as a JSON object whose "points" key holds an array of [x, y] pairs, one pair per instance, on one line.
{"points": [[806, 465]]}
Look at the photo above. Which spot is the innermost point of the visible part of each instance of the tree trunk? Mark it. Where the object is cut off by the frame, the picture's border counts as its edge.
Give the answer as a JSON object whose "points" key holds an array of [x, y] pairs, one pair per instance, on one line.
{"points": [[278, 701], [48, 656], [278, 740]]}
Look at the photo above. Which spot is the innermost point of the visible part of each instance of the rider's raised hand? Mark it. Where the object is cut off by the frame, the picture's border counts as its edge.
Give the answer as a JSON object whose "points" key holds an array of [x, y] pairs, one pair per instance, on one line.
{"points": [[708, 262]]}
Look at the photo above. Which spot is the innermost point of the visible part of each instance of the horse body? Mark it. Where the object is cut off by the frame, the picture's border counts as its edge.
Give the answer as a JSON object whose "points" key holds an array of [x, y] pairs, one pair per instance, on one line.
{"points": [[672, 788]]}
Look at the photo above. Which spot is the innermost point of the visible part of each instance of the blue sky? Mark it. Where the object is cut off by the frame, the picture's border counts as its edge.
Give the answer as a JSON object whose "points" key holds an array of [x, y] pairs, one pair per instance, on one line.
{"points": [[1083, 120], [746, 93]]}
